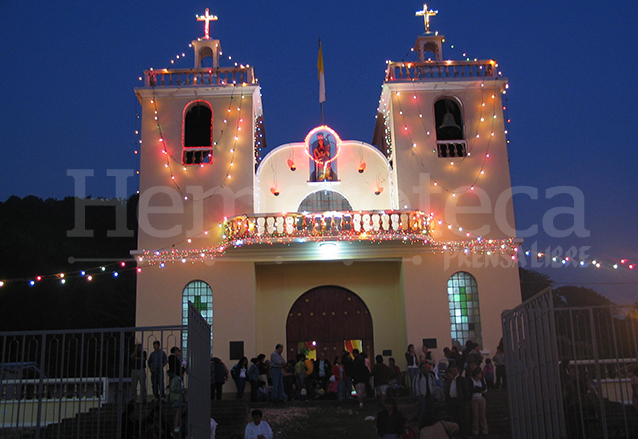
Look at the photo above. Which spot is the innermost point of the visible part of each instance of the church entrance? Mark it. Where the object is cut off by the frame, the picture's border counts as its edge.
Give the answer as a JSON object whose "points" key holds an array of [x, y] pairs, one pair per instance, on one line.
{"points": [[329, 319]]}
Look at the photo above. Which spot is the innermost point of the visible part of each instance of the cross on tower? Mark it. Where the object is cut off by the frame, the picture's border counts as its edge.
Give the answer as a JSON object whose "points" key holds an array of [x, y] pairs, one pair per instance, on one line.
{"points": [[426, 16], [207, 18]]}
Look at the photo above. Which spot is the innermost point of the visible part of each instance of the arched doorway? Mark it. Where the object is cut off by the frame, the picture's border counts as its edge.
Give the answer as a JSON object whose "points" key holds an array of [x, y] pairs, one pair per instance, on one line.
{"points": [[331, 316]]}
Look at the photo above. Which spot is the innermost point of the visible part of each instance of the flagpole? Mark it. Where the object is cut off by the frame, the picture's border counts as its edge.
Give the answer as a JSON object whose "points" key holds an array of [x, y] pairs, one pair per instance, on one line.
{"points": [[322, 84]]}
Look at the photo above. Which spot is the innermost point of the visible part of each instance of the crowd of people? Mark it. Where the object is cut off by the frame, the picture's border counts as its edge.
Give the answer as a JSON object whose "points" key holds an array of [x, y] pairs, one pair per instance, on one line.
{"points": [[455, 385], [156, 363]]}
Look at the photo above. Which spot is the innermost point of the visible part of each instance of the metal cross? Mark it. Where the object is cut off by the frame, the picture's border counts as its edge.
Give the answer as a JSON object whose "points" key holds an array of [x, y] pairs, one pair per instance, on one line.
{"points": [[426, 16], [207, 18]]}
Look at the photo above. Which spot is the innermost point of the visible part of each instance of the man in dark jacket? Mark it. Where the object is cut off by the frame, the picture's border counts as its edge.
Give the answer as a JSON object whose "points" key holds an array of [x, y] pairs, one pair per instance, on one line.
{"points": [[457, 396], [322, 370], [218, 376], [346, 360]]}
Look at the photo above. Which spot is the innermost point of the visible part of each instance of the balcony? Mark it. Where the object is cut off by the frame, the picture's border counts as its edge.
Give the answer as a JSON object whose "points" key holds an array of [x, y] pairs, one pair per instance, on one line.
{"points": [[242, 75], [428, 70], [393, 225]]}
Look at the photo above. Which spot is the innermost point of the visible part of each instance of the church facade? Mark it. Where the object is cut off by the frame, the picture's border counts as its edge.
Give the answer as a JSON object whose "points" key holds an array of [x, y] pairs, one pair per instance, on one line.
{"points": [[324, 243]]}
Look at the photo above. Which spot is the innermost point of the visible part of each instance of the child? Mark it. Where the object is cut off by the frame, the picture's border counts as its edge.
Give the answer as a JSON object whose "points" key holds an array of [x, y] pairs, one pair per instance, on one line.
{"points": [[177, 392], [488, 373], [262, 392], [408, 432], [319, 391]]}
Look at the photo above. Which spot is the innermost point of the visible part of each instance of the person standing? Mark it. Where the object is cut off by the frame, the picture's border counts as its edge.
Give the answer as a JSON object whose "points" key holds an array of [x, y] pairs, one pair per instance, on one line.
{"points": [[277, 363], [381, 374], [413, 365], [175, 363], [425, 388], [156, 363], [347, 363], [336, 385], [457, 394], [300, 376], [219, 376], [177, 394], [499, 363], [323, 370], [488, 373], [138, 371], [360, 377], [479, 420], [264, 370], [426, 355], [253, 379], [240, 376]]}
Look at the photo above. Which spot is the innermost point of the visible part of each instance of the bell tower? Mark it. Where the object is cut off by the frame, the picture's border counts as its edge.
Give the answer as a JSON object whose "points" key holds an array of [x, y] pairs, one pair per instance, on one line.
{"points": [[200, 130], [441, 124]]}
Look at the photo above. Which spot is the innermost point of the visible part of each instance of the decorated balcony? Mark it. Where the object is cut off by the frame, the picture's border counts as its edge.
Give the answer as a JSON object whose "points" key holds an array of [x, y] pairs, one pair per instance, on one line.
{"points": [[390, 225], [299, 234], [429, 70], [239, 75]]}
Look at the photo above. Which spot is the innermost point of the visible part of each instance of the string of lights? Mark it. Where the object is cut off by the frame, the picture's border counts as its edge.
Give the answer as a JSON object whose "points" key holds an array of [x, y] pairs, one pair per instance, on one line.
{"points": [[160, 258]]}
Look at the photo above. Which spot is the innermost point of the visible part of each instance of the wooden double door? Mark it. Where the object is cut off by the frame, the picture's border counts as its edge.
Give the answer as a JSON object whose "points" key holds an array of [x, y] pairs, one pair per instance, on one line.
{"points": [[326, 318]]}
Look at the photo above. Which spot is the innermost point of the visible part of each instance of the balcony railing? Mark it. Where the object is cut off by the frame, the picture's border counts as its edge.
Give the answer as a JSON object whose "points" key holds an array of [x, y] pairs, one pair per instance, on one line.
{"points": [[394, 225], [418, 71], [200, 77]]}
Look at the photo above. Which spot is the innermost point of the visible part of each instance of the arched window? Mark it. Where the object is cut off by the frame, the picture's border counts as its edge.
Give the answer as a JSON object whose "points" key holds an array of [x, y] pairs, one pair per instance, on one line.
{"points": [[198, 134], [450, 138], [201, 295], [465, 317], [324, 201]]}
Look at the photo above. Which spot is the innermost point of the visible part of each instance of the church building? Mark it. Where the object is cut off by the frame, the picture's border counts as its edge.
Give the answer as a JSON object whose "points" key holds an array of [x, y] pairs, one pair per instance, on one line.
{"points": [[328, 243]]}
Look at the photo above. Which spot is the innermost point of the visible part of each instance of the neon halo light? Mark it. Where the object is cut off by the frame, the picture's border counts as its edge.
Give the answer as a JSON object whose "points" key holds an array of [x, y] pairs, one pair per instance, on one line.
{"points": [[327, 133]]}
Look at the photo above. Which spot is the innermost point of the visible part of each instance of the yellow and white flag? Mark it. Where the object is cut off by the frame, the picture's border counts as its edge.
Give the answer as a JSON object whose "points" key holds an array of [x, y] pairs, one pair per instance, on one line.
{"points": [[322, 82]]}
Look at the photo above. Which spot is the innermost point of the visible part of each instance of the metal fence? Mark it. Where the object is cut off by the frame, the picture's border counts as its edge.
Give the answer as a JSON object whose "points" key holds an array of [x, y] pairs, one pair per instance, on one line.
{"points": [[569, 369], [79, 384]]}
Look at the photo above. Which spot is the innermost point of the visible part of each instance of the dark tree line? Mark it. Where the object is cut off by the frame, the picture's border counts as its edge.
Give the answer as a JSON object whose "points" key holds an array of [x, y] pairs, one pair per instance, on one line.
{"points": [[34, 242], [533, 282]]}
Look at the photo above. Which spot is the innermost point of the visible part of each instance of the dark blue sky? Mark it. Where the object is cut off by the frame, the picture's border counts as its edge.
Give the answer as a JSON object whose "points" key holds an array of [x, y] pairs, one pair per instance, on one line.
{"points": [[69, 69]]}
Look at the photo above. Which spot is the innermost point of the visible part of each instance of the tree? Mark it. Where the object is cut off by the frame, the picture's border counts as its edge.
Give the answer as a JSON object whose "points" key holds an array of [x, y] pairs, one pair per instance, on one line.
{"points": [[35, 242], [532, 283], [573, 296]]}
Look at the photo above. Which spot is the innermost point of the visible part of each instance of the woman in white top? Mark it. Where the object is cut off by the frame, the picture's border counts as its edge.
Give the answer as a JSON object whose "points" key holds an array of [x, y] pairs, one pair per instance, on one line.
{"points": [[478, 388]]}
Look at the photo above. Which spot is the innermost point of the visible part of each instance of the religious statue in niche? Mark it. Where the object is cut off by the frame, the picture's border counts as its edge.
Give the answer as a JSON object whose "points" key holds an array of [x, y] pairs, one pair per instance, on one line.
{"points": [[323, 148]]}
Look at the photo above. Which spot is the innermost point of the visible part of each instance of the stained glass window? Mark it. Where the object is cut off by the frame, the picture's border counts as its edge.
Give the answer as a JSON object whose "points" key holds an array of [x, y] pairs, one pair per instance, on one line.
{"points": [[465, 319], [201, 295]]}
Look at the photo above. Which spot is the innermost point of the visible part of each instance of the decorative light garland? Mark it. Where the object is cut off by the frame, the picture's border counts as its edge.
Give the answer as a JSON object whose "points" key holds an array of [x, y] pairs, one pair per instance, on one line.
{"points": [[89, 274]]}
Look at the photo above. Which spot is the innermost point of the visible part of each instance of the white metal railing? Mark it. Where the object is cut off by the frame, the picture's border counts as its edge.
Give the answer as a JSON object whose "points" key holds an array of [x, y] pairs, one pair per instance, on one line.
{"points": [[200, 77], [61, 381], [14, 390], [415, 71], [568, 369]]}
